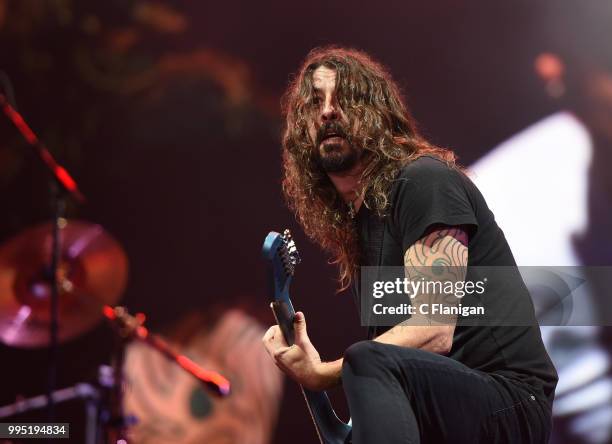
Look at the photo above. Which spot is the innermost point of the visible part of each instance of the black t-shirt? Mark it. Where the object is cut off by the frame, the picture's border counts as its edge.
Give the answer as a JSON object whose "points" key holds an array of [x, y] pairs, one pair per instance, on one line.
{"points": [[428, 192]]}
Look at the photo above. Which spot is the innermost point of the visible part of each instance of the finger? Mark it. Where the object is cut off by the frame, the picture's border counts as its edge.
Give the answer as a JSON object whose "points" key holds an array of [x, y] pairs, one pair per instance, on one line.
{"points": [[299, 325], [269, 334], [268, 340], [274, 340], [279, 355], [278, 339], [275, 335], [273, 347]]}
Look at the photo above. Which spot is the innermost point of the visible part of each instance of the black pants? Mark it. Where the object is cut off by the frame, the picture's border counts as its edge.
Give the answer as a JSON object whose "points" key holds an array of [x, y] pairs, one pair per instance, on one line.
{"points": [[404, 395]]}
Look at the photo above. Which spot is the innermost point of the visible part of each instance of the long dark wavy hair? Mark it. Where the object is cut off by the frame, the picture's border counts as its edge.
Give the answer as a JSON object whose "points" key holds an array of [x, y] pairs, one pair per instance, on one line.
{"points": [[385, 132]]}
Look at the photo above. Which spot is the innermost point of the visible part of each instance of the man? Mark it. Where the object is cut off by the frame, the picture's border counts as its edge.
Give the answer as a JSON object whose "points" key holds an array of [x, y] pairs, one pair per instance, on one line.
{"points": [[353, 161]]}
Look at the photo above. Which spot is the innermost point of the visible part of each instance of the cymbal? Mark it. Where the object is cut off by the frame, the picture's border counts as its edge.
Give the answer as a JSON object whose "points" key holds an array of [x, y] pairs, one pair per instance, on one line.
{"points": [[92, 272]]}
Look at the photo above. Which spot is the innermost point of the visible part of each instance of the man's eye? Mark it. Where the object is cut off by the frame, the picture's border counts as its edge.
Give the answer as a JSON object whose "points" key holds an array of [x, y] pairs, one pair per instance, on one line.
{"points": [[316, 100]]}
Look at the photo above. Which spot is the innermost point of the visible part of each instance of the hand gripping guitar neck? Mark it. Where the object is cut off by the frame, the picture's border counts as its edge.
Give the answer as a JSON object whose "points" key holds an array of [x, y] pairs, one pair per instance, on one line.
{"points": [[281, 252]]}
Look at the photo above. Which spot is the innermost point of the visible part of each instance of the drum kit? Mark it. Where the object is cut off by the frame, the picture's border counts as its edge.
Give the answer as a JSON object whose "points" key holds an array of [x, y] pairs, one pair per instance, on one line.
{"points": [[57, 281]]}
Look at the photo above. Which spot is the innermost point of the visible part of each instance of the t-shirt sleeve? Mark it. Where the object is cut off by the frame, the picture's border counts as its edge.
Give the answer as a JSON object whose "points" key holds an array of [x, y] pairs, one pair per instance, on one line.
{"points": [[429, 192]]}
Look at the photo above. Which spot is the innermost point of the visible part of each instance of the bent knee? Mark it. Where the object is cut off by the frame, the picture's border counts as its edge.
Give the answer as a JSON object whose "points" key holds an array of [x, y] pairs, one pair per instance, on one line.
{"points": [[363, 356]]}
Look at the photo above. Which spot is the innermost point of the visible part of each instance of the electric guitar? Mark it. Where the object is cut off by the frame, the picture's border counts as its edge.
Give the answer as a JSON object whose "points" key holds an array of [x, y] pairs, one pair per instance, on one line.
{"points": [[281, 252]]}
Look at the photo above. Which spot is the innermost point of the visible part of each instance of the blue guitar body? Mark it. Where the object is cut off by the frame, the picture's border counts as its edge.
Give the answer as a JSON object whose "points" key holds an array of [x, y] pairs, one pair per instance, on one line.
{"points": [[280, 251]]}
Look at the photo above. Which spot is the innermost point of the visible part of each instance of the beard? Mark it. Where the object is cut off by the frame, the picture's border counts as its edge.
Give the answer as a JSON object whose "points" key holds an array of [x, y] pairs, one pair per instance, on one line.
{"points": [[336, 154], [337, 159]]}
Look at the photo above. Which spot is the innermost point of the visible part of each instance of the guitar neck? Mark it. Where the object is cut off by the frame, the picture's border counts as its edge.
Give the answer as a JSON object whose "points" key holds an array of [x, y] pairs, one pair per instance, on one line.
{"points": [[284, 315], [281, 252], [330, 429]]}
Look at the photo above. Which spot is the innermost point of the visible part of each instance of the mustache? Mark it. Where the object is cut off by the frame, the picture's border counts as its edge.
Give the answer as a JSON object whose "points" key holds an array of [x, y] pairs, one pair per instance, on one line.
{"points": [[328, 128]]}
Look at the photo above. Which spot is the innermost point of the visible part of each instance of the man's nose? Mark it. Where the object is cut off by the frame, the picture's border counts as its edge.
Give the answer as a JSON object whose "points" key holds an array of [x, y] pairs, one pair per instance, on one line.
{"points": [[329, 112]]}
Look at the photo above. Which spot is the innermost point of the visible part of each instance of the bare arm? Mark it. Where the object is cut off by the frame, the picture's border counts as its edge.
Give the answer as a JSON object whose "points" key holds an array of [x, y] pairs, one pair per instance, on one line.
{"points": [[446, 249]]}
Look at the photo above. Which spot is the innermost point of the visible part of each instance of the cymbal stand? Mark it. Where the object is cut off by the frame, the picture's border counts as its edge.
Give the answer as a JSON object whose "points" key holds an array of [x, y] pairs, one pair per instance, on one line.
{"points": [[63, 185]]}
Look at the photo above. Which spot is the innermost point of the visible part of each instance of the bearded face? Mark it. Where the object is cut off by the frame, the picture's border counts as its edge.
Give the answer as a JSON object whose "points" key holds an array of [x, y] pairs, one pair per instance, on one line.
{"points": [[329, 126], [335, 152]]}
